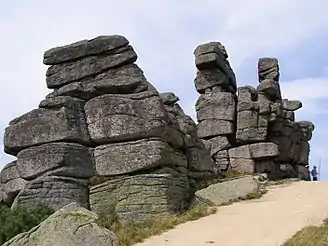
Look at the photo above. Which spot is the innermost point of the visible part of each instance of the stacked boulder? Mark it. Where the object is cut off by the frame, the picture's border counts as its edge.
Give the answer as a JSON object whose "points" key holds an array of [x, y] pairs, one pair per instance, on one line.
{"points": [[256, 131], [200, 164], [104, 137], [216, 106]]}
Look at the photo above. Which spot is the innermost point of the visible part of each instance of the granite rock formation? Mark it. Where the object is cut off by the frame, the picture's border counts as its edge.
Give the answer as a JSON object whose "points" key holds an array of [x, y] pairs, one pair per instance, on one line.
{"points": [[255, 131], [104, 138]]}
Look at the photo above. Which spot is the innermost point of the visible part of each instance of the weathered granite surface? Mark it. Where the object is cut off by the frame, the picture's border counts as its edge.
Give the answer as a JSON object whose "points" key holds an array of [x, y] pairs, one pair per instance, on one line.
{"points": [[106, 130], [105, 123], [141, 197], [229, 191], [71, 225]]}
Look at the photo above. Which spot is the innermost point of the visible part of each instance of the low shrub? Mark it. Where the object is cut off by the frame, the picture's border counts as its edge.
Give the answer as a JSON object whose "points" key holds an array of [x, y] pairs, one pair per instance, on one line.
{"points": [[20, 219], [310, 236]]}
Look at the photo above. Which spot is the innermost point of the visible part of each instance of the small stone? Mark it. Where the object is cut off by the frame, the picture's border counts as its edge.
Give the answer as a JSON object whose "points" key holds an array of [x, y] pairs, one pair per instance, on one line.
{"points": [[169, 98], [291, 105]]}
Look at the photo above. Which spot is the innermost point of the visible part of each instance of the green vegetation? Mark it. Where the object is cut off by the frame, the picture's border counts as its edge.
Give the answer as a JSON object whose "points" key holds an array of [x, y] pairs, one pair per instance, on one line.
{"points": [[20, 219], [283, 181], [131, 233], [310, 236]]}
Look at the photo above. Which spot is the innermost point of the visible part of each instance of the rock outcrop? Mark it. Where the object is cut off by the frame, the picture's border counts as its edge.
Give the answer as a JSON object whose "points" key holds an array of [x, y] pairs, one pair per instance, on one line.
{"points": [[255, 131], [216, 106], [106, 139], [71, 225], [104, 134]]}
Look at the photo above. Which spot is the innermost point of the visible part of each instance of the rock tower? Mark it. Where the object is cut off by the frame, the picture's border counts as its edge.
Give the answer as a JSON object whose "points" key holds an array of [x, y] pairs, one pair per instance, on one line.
{"points": [[254, 131], [108, 140], [104, 138]]}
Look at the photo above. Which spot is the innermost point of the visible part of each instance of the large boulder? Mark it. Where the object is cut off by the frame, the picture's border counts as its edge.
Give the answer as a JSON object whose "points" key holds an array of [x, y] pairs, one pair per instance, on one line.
{"points": [[113, 118], [122, 80], [214, 127], [71, 225], [263, 150], [128, 157], [141, 197], [219, 105], [55, 192], [71, 71], [83, 48], [240, 159], [268, 68], [228, 191], [61, 159], [42, 125]]}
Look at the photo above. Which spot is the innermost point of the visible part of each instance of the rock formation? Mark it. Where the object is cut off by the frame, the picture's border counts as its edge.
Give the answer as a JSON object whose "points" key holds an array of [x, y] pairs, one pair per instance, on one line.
{"points": [[104, 138], [255, 131], [216, 106]]}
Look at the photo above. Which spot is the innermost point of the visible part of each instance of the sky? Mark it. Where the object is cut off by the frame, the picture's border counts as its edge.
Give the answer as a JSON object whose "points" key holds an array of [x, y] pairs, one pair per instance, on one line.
{"points": [[164, 34]]}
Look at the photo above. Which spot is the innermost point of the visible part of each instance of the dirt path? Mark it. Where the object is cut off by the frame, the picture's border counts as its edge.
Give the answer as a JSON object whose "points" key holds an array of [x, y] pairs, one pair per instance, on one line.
{"points": [[268, 221]]}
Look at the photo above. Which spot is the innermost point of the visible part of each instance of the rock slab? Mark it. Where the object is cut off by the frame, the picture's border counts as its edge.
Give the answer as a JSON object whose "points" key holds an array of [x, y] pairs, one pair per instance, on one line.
{"points": [[225, 192], [71, 225]]}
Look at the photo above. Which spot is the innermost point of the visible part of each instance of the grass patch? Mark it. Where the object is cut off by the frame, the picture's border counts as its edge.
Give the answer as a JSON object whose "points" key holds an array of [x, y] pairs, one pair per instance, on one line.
{"points": [[251, 196], [132, 233], [255, 195], [310, 236], [282, 181]]}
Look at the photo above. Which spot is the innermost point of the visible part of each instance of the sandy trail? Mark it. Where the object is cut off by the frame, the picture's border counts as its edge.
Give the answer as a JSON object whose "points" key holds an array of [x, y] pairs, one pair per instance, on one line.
{"points": [[268, 221]]}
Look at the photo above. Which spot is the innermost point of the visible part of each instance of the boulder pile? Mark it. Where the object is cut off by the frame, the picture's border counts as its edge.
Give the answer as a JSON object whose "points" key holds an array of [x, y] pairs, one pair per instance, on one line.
{"points": [[104, 138], [255, 131]]}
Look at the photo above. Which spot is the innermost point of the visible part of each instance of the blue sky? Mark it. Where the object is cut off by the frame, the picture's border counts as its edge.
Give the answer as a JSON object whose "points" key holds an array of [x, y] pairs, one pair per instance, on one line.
{"points": [[164, 34]]}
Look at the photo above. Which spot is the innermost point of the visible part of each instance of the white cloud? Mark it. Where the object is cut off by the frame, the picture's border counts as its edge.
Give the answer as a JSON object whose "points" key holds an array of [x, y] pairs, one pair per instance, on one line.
{"points": [[305, 89], [164, 35], [312, 92]]}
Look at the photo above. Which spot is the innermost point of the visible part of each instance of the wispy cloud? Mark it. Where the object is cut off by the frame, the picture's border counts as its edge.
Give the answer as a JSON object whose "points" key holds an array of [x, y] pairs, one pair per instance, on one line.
{"points": [[164, 35]]}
